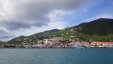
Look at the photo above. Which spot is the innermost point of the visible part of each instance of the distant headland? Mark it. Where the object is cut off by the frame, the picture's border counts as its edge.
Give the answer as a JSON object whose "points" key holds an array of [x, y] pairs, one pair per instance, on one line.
{"points": [[96, 33]]}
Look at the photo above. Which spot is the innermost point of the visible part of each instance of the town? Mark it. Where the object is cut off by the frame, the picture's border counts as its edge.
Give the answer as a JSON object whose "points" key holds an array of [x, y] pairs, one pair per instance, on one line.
{"points": [[54, 43]]}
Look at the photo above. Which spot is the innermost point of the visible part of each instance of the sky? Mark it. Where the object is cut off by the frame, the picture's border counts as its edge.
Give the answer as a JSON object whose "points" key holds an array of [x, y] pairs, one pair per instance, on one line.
{"points": [[27, 17]]}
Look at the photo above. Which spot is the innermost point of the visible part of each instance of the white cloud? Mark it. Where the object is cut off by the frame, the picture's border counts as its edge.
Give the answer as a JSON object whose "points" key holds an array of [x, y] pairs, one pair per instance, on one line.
{"points": [[25, 17], [56, 22], [4, 29], [14, 13]]}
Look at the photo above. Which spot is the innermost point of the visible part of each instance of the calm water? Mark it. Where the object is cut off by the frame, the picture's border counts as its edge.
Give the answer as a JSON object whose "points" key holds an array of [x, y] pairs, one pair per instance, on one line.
{"points": [[56, 56]]}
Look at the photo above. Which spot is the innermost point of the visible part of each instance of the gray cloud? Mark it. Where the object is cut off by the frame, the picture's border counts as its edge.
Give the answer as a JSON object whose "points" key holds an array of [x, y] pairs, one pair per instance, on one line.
{"points": [[20, 14], [4, 34], [24, 13]]}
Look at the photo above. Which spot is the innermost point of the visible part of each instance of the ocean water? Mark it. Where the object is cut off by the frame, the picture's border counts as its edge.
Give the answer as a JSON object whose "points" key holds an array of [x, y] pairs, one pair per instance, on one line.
{"points": [[56, 56]]}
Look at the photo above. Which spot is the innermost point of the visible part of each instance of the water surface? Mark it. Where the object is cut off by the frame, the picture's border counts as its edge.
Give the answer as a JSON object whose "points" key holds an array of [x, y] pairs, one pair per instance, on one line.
{"points": [[56, 56]]}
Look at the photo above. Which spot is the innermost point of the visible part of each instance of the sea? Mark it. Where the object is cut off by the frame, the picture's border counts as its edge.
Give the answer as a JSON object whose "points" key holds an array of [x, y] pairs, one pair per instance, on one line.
{"points": [[56, 56]]}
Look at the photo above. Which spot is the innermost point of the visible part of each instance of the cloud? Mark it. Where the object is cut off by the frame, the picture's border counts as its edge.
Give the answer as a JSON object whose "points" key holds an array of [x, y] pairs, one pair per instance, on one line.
{"points": [[29, 16], [56, 22], [24, 13], [5, 34]]}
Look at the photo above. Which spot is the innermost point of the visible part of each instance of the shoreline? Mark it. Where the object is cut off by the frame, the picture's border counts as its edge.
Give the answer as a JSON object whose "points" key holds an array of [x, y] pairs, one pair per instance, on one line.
{"points": [[61, 45]]}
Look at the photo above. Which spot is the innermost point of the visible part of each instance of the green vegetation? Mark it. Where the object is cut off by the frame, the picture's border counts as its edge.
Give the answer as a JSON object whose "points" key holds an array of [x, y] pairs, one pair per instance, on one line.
{"points": [[97, 30]]}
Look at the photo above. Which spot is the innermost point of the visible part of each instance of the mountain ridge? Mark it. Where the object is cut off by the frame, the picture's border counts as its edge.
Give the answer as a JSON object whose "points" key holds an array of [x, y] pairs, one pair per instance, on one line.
{"points": [[96, 30]]}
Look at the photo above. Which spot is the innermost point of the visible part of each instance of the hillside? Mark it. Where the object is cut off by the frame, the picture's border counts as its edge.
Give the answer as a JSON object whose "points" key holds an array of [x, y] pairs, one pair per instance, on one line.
{"points": [[102, 26], [96, 30]]}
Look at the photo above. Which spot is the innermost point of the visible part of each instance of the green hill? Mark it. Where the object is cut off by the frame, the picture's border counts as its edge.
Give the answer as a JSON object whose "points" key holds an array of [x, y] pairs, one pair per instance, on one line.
{"points": [[97, 30], [100, 26]]}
